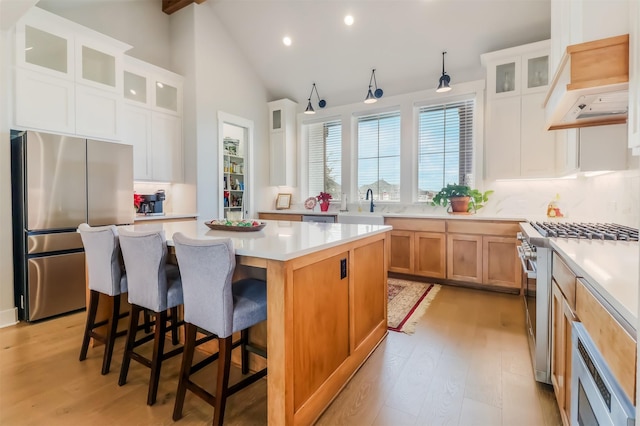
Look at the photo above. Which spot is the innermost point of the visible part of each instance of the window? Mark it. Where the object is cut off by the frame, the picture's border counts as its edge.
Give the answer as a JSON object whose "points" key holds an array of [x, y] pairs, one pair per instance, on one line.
{"points": [[325, 158], [379, 156], [445, 146]]}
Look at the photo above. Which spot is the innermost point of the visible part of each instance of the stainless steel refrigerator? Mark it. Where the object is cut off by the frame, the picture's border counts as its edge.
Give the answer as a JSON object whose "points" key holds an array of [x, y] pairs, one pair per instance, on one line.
{"points": [[57, 183]]}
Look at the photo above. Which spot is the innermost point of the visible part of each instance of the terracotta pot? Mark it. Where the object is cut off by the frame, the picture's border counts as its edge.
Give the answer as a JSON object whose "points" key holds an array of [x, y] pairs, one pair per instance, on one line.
{"points": [[324, 206], [459, 204]]}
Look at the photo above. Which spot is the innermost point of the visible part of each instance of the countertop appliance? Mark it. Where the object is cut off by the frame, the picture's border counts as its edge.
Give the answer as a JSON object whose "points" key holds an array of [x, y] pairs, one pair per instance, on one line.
{"points": [[535, 254], [596, 396], [57, 183], [151, 204]]}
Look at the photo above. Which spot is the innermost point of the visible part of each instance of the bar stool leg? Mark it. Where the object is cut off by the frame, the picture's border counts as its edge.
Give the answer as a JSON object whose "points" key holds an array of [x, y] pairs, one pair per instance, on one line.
{"points": [[158, 351], [174, 326], [222, 385], [112, 329], [185, 369], [94, 296], [244, 338], [128, 348]]}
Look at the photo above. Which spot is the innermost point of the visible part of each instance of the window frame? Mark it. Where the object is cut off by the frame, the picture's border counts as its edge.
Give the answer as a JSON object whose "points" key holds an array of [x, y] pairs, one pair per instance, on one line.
{"points": [[355, 140], [435, 102], [304, 137]]}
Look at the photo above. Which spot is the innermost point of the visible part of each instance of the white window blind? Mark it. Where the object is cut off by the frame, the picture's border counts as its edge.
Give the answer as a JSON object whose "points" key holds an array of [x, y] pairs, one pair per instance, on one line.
{"points": [[324, 142], [379, 156], [445, 146]]}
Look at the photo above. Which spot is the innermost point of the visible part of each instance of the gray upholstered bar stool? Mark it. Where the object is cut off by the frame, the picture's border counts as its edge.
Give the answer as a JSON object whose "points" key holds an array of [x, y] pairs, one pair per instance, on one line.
{"points": [[156, 286], [106, 276], [216, 305]]}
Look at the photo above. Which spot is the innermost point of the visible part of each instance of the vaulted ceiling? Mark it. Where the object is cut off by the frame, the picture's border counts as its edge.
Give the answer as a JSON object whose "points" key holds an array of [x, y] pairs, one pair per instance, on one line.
{"points": [[402, 39]]}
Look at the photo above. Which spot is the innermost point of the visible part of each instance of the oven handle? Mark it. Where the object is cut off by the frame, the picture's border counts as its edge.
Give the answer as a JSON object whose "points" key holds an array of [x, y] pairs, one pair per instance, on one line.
{"points": [[531, 273]]}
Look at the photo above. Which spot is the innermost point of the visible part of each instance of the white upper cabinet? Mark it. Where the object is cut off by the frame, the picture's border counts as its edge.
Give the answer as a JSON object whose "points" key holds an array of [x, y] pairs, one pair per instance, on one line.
{"points": [[633, 120], [153, 120], [515, 71], [282, 126], [516, 143], [68, 78], [45, 45]]}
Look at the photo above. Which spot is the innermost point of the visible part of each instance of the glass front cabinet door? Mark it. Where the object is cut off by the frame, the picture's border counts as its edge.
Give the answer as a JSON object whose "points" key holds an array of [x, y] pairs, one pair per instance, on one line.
{"points": [[518, 75], [535, 72]]}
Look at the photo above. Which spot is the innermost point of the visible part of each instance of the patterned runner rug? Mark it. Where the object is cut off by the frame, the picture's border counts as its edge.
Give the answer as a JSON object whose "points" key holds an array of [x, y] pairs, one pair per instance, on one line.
{"points": [[407, 302]]}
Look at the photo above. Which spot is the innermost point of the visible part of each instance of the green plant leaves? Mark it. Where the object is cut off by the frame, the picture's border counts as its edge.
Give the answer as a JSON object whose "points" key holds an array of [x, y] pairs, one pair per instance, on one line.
{"points": [[454, 190]]}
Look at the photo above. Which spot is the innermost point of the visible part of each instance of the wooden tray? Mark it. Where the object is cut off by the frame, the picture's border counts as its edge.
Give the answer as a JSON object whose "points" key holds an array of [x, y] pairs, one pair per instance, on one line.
{"points": [[236, 228]]}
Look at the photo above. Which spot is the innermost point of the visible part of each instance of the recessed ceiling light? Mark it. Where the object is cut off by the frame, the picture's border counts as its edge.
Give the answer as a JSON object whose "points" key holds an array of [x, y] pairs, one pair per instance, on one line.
{"points": [[348, 20], [133, 92], [286, 41], [159, 84]]}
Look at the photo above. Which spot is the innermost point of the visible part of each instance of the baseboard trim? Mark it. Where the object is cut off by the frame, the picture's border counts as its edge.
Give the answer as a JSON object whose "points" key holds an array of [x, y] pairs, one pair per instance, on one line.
{"points": [[8, 317]]}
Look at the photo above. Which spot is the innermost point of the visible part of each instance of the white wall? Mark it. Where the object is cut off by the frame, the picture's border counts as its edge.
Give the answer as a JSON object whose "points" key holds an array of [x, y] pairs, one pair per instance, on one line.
{"points": [[217, 78], [7, 306]]}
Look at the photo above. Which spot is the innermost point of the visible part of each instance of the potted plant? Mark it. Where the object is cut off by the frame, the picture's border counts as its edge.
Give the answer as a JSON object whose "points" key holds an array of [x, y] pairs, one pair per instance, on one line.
{"points": [[461, 198]]}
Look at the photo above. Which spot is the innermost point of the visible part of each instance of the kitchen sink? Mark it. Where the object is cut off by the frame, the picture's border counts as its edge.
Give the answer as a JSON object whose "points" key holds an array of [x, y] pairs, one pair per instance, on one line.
{"points": [[361, 217]]}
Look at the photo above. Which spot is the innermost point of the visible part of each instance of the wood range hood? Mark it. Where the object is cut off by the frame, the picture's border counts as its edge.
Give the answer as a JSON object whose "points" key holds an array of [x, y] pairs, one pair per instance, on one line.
{"points": [[591, 86]]}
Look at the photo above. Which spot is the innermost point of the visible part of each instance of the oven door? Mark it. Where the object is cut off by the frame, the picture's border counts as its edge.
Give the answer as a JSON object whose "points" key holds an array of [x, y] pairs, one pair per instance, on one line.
{"points": [[529, 278], [596, 396]]}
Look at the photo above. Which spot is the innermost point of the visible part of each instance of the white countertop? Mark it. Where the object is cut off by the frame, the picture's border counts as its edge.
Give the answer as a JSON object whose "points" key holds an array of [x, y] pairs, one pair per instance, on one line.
{"points": [[279, 240], [612, 268], [440, 215], [168, 216]]}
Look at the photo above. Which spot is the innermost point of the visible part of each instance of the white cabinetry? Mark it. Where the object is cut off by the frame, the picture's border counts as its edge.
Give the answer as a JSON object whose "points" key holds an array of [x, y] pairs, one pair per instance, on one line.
{"points": [[153, 121], [67, 77], [282, 158], [516, 142], [633, 120]]}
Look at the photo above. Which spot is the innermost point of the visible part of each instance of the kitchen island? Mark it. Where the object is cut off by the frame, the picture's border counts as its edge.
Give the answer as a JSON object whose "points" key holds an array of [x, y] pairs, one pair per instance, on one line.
{"points": [[326, 305]]}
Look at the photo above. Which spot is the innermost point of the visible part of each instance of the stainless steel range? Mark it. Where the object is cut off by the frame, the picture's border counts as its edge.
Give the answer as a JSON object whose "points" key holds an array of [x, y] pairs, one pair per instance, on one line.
{"points": [[535, 254]]}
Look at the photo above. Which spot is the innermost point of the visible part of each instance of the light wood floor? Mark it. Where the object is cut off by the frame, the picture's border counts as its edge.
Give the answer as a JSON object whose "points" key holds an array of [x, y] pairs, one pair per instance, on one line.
{"points": [[467, 364]]}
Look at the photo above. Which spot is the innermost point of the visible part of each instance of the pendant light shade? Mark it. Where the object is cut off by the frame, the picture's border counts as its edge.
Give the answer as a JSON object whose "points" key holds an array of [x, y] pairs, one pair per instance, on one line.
{"points": [[321, 102], [443, 85], [373, 96]]}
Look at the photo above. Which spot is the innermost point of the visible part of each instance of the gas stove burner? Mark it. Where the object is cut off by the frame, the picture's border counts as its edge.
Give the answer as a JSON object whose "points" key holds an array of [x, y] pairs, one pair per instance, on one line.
{"points": [[591, 231]]}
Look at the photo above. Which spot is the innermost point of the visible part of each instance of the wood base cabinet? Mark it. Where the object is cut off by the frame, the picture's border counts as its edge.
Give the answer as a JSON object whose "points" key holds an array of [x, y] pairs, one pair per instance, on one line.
{"points": [[561, 318], [484, 252], [418, 247], [464, 258]]}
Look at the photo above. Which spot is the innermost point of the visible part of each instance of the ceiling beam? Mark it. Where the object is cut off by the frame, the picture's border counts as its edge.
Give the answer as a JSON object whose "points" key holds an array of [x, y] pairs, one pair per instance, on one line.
{"points": [[170, 6]]}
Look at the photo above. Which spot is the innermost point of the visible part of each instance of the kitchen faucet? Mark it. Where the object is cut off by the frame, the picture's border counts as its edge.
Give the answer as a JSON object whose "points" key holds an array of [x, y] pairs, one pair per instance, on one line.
{"points": [[367, 197]]}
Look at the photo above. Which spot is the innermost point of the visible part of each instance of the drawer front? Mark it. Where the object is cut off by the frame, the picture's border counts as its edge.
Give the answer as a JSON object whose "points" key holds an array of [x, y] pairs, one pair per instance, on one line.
{"points": [[424, 225], [483, 227], [617, 347], [566, 280], [279, 216]]}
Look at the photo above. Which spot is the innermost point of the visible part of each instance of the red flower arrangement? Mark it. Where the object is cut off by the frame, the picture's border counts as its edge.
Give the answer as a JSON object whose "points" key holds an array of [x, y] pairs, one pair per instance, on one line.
{"points": [[137, 199], [324, 197]]}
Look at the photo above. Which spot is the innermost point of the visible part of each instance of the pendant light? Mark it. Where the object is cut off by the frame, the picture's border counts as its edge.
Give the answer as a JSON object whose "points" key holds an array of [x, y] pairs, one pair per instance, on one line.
{"points": [[377, 93], [443, 85], [321, 102]]}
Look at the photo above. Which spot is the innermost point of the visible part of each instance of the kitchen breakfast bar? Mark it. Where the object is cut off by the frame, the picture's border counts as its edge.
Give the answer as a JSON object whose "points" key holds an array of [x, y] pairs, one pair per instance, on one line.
{"points": [[326, 305]]}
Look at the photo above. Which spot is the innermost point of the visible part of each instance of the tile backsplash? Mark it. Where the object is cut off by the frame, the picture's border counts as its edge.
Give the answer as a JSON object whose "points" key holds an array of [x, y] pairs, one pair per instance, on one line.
{"points": [[612, 197]]}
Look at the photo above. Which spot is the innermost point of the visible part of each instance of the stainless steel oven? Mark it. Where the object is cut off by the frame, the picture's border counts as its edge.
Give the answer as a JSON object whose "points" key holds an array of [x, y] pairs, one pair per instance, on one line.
{"points": [[535, 256], [596, 396]]}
